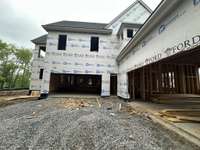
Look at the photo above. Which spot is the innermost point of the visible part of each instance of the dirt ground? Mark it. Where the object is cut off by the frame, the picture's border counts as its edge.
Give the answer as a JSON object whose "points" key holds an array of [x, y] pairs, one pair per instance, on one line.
{"points": [[83, 124]]}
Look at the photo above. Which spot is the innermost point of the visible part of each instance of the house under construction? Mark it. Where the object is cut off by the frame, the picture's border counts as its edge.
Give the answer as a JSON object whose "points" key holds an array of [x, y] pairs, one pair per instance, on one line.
{"points": [[138, 55]]}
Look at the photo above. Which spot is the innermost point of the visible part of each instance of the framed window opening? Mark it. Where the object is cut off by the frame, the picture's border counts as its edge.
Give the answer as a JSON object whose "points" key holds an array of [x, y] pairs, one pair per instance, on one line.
{"points": [[62, 42], [94, 45]]}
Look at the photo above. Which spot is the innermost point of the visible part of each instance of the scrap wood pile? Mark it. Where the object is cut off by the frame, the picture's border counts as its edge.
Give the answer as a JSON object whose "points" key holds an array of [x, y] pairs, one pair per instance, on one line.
{"points": [[181, 115], [128, 109], [75, 103]]}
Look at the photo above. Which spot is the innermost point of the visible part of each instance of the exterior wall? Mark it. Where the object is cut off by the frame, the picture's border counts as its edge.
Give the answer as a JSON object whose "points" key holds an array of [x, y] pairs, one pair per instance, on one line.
{"points": [[137, 14], [37, 64], [179, 31], [122, 85], [78, 59]]}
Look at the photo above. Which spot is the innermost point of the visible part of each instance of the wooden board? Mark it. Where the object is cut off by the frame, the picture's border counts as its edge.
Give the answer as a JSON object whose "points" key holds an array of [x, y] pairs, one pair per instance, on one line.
{"points": [[181, 115]]}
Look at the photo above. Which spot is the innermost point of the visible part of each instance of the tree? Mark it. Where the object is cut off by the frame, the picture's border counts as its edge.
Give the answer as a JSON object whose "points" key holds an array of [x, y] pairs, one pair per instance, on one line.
{"points": [[14, 66], [23, 60], [8, 71], [2, 80], [7, 66]]}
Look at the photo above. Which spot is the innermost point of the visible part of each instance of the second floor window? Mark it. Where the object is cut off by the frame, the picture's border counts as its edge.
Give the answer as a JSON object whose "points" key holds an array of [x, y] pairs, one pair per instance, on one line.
{"points": [[129, 33], [62, 42], [42, 50], [94, 46]]}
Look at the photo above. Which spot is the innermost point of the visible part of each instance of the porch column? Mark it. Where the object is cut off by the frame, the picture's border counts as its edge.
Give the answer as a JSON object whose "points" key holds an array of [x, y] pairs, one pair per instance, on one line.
{"points": [[45, 83], [105, 85]]}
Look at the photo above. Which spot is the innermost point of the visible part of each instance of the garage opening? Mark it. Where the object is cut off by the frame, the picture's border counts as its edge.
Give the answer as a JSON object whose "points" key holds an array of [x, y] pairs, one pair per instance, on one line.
{"points": [[176, 75], [75, 84]]}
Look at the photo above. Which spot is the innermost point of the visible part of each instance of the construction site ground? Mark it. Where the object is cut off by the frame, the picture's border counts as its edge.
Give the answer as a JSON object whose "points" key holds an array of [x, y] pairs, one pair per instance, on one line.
{"points": [[79, 123], [179, 116]]}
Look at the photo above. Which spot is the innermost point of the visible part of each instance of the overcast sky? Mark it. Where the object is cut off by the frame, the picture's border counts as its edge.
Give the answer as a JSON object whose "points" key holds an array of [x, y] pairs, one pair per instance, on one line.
{"points": [[21, 20]]}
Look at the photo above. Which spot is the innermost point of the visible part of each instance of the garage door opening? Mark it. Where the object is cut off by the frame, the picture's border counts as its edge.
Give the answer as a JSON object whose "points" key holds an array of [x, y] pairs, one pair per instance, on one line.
{"points": [[176, 75], [75, 84]]}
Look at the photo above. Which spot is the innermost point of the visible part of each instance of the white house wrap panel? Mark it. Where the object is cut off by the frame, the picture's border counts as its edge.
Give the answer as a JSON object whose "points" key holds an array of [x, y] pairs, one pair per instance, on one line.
{"points": [[178, 31], [78, 59]]}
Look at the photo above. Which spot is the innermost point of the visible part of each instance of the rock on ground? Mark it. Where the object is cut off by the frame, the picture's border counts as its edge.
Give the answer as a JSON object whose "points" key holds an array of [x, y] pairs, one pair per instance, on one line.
{"points": [[43, 125]]}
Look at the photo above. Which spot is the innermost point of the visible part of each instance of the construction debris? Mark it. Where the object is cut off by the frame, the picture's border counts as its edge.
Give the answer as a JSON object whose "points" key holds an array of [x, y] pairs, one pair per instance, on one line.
{"points": [[99, 104], [86, 128], [181, 115], [33, 113], [35, 93], [176, 99], [72, 104], [129, 109], [112, 114]]}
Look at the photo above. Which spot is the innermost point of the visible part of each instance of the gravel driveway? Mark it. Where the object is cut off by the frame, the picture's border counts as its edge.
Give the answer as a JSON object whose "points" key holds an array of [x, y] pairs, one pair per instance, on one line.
{"points": [[46, 125]]}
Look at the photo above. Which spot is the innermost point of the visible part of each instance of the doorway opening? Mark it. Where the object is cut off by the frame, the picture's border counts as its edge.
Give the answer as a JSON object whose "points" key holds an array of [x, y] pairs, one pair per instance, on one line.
{"points": [[113, 84]]}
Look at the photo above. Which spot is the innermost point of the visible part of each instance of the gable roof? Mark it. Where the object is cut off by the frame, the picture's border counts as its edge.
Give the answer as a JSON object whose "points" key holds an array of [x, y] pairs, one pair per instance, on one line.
{"points": [[75, 26], [84, 27], [159, 13], [129, 8], [40, 40], [128, 25]]}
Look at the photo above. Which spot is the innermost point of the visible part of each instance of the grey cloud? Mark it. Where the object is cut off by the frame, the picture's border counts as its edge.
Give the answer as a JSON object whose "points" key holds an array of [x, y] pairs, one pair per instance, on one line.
{"points": [[17, 29]]}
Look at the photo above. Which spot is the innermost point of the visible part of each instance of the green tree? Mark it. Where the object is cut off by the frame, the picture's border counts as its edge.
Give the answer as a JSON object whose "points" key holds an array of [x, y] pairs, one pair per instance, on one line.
{"points": [[23, 57], [14, 66], [7, 66]]}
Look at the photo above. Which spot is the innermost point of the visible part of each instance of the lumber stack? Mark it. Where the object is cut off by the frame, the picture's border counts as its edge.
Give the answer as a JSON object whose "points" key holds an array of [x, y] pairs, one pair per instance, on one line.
{"points": [[181, 115], [176, 99]]}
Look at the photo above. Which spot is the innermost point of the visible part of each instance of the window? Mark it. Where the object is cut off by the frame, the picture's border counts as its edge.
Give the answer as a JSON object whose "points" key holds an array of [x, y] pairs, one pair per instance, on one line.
{"points": [[42, 50], [129, 33], [62, 41], [41, 74], [94, 44]]}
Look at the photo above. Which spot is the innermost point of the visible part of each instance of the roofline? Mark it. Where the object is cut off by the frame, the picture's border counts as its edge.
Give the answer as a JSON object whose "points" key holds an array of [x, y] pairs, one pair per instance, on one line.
{"points": [[145, 6], [77, 22], [154, 19], [127, 9], [76, 30], [33, 41]]}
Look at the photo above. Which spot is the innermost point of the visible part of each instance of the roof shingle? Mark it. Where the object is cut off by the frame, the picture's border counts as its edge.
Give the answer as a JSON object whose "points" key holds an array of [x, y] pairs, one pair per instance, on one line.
{"points": [[40, 40], [74, 26]]}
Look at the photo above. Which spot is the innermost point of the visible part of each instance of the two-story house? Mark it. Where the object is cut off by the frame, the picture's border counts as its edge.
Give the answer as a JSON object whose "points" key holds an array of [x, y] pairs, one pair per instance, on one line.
{"points": [[80, 57]]}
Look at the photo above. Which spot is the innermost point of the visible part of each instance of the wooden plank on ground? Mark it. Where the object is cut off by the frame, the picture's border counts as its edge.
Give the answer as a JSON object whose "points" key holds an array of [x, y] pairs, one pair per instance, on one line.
{"points": [[190, 119]]}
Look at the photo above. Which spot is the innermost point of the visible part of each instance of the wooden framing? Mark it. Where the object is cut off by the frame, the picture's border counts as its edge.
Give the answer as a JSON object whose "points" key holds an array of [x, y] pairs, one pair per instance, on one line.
{"points": [[177, 76]]}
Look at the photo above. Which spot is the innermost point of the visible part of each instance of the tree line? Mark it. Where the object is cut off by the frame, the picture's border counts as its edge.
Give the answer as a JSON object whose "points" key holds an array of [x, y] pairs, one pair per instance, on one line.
{"points": [[15, 66]]}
